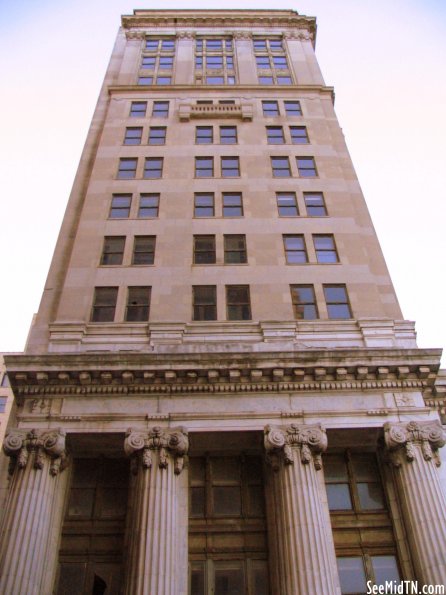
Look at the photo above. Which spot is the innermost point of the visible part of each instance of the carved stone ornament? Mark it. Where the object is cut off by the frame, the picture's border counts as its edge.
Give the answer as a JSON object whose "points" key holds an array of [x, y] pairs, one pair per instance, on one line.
{"points": [[405, 438], [310, 440], [186, 34], [301, 35], [167, 441], [242, 35], [135, 34], [20, 444]]}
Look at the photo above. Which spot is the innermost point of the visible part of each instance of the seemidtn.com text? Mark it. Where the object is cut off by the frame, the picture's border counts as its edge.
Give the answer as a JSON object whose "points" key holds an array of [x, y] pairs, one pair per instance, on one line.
{"points": [[404, 588]]}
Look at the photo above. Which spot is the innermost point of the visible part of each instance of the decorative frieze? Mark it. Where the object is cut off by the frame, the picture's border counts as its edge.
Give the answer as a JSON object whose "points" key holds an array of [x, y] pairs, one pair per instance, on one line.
{"points": [[173, 442], [310, 440], [429, 436], [242, 35], [37, 445]]}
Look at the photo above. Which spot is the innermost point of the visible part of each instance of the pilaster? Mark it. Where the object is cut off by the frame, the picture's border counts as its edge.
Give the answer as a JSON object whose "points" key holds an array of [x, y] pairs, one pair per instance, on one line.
{"points": [[37, 457], [157, 540], [413, 449], [303, 545]]}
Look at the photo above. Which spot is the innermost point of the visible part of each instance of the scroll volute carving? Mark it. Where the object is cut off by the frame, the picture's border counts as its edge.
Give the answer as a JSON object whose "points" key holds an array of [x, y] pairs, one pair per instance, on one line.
{"points": [[401, 440], [279, 442], [20, 444], [173, 442]]}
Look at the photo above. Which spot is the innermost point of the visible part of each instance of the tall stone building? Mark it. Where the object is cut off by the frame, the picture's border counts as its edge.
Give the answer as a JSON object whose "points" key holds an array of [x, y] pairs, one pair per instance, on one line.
{"points": [[219, 394]]}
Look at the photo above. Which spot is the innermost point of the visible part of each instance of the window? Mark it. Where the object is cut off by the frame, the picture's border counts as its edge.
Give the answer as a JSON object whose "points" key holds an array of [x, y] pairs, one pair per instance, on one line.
{"points": [[325, 248], [153, 45], [238, 305], [353, 482], [5, 381], [145, 80], [287, 204], [127, 168], [204, 167], [204, 302], [204, 135], [204, 205], [133, 136], [356, 571], [120, 206], [214, 59], [295, 250], [148, 63], [266, 80], [144, 250], [280, 62], [281, 167], [104, 304], [228, 135], [274, 135], [138, 109], [214, 62], [138, 304], [166, 62], [293, 108], [263, 63], [148, 206], [204, 249], [153, 167], [304, 302], [284, 80], [337, 302], [157, 135], [2, 402], [167, 45], [160, 109], [299, 135], [272, 65], [232, 205], [113, 250], [230, 167], [235, 249], [314, 202], [163, 80], [270, 108], [215, 80], [306, 167]]}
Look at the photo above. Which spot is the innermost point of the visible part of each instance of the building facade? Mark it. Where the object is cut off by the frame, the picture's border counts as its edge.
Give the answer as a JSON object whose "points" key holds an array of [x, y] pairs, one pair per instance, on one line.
{"points": [[219, 393]]}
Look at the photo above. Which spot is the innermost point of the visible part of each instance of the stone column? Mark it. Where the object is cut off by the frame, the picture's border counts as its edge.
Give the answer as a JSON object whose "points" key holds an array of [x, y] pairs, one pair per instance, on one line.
{"points": [[413, 451], [37, 457], [304, 545], [155, 538]]}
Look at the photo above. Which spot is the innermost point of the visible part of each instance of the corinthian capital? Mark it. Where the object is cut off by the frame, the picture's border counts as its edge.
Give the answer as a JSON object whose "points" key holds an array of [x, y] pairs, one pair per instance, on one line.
{"points": [[19, 444], [167, 441], [426, 435], [310, 440]]}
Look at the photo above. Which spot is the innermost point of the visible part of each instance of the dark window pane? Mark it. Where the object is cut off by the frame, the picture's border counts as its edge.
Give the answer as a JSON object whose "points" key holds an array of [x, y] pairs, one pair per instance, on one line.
{"points": [[338, 496], [138, 301], [385, 569], [148, 206], [138, 109], [113, 250], [197, 501], [229, 580], [204, 302], [104, 304], [72, 578], [270, 108], [144, 250], [197, 582], [371, 496], [120, 206], [157, 136], [351, 575], [226, 500]]}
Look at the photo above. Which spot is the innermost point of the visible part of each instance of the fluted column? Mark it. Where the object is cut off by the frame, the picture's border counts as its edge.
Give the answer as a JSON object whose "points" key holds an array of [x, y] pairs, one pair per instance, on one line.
{"points": [[155, 539], [413, 451], [37, 457], [305, 551]]}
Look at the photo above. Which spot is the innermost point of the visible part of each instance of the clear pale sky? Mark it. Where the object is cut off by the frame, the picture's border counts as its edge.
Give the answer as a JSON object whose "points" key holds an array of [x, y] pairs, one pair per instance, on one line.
{"points": [[386, 60]]}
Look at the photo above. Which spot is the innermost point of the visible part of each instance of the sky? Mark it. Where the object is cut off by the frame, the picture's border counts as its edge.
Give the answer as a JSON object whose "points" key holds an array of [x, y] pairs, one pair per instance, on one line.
{"points": [[386, 61]]}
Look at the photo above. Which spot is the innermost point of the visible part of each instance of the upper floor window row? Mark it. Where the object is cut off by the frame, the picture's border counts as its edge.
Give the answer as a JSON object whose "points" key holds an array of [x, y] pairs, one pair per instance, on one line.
{"points": [[290, 108], [147, 208], [138, 109], [153, 168], [154, 44], [276, 135], [204, 135], [154, 62], [213, 45], [267, 45], [306, 167]]}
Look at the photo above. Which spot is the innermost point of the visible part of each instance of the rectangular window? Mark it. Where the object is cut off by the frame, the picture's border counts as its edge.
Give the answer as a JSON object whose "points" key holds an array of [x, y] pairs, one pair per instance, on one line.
{"points": [[153, 167], [238, 304], [138, 109], [204, 167], [228, 135], [280, 62], [293, 108], [281, 167], [120, 206], [230, 167], [166, 62], [315, 204], [167, 45], [355, 572], [299, 135], [148, 63], [275, 45], [127, 168], [160, 109], [325, 248], [2, 404], [199, 62], [214, 62], [133, 136], [235, 249], [157, 135], [306, 167], [270, 108], [232, 205], [284, 80], [204, 250], [295, 249], [204, 302], [204, 135], [215, 80], [113, 250], [145, 80], [263, 62], [204, 205], [104, 304], [144, 250], [163, 80], [266, 80], [304, 302], [336, 298], [287, 204], [152, 45], [274, 135], [138, 304], [148, 206]]}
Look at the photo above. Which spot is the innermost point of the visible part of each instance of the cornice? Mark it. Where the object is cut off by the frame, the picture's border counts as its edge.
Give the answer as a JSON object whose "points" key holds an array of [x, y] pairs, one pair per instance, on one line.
{"points": [[291, 89]]}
